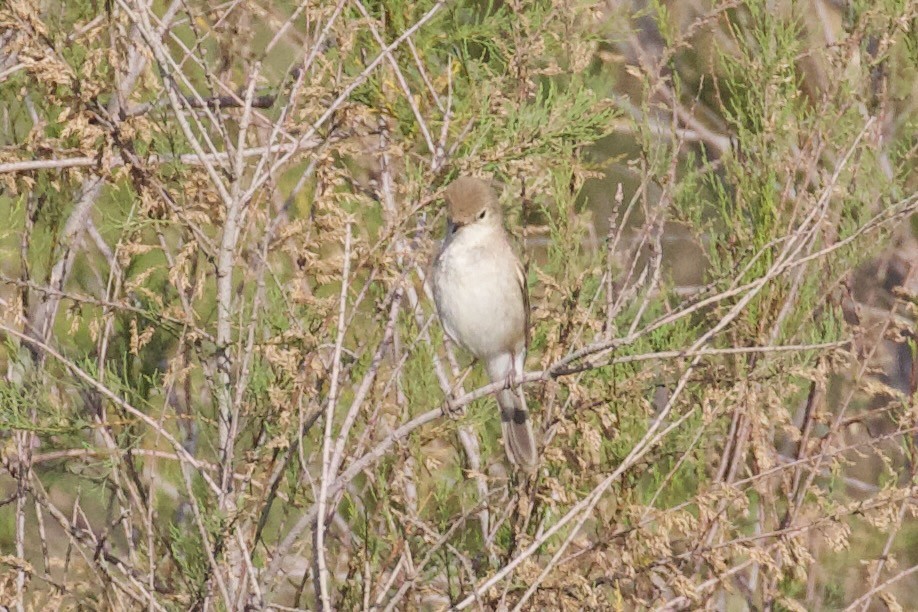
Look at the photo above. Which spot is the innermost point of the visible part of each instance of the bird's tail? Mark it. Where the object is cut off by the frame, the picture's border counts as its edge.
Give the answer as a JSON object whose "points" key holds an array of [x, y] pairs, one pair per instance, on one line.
{"points": [[517, 429]]}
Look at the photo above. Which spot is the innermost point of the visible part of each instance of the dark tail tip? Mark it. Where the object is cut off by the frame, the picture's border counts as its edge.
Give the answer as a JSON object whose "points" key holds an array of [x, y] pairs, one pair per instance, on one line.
{"points": [[519, 441]]}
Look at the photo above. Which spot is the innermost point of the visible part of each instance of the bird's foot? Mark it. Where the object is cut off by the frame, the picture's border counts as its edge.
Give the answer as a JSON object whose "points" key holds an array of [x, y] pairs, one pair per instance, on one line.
{"points": [[452, 410], [511, 381]]}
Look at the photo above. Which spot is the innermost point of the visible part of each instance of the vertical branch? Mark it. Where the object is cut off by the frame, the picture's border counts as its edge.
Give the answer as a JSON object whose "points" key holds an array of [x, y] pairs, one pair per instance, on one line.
{"points": [[226, 256], [321, 573], [225, 259], [23, 448], [42, 319]]}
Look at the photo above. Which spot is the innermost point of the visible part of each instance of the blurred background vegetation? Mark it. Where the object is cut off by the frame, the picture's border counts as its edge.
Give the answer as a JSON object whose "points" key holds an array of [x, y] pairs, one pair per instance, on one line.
{"points": [[216, 330]]}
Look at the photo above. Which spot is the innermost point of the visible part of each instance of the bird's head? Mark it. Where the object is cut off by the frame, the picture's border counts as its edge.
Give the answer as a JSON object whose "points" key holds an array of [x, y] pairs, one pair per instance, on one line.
{"points": [[471, 201]]}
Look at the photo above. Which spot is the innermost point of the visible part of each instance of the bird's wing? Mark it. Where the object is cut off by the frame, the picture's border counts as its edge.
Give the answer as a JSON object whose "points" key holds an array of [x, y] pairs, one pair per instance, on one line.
{"points": [[434, 285], [521, 277]]}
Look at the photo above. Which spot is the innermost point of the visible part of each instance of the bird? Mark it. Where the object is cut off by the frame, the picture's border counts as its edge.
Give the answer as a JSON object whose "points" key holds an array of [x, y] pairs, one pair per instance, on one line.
{"points": [[479, 288]]}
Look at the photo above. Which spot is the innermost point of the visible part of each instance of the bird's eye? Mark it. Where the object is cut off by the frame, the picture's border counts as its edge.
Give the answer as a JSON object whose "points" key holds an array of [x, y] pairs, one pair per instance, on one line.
{"points": [[482, 214]]}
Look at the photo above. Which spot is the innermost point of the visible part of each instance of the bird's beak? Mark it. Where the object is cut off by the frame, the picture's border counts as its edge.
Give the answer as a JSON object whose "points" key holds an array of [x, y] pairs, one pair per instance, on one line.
{"points": [[452, 227]]}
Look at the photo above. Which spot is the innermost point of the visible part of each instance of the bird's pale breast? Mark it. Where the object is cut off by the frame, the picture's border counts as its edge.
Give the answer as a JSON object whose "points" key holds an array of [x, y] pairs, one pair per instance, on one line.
{"points": [[479, 294]]}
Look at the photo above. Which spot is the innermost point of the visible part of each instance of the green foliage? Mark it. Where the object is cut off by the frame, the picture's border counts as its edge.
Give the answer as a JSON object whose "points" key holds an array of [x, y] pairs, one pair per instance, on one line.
{"points": [[704, 197]]}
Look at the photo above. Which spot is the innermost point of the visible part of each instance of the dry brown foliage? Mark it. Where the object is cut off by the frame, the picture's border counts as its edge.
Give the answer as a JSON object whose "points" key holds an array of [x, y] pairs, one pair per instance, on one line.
{"points": [[225, 387]]}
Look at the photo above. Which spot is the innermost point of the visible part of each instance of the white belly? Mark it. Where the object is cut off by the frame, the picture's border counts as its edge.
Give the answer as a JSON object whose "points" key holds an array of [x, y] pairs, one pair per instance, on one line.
{"points": [[479, 296]]}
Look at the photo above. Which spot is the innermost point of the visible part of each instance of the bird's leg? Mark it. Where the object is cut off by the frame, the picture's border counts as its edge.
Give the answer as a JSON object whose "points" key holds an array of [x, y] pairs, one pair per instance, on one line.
{"points": [[510, 383]]}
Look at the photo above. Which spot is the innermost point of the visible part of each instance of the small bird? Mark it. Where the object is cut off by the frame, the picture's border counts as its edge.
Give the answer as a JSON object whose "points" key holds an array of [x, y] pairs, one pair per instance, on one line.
{"points": [[480, 292]]}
